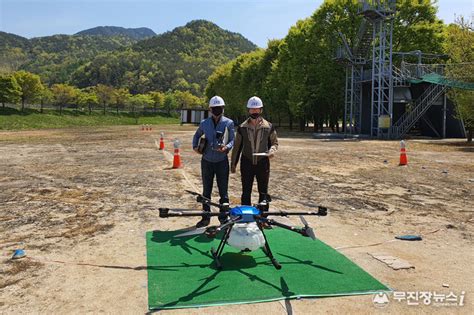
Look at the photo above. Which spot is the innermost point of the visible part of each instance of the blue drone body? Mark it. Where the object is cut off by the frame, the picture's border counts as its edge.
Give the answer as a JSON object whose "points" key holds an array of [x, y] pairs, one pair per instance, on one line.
{"points": [[246, 213]]}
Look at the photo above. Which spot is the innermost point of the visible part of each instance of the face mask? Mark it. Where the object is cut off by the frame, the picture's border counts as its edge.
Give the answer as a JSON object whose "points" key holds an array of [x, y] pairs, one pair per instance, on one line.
{"points": [[255, 115], [217, 111]]}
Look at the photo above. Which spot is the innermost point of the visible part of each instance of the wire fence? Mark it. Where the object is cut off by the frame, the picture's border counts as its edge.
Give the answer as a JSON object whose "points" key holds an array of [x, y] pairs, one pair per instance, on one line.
{"points": [[108, 110]]}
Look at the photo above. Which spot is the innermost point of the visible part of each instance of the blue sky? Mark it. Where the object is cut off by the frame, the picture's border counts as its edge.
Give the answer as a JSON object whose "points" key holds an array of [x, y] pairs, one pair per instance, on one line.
{"points": [[257, 20]]}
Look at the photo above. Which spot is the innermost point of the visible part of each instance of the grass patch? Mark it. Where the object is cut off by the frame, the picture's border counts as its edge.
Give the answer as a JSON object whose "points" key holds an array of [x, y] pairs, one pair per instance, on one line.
{"points": [[13, 119]]}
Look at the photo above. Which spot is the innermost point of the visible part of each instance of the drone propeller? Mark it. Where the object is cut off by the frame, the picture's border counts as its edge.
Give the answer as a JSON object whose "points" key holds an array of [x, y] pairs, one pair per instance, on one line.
{"points": [[307, 229], [193, 232], [183, 209], [210, 231], [304, 221], [167, 212]]}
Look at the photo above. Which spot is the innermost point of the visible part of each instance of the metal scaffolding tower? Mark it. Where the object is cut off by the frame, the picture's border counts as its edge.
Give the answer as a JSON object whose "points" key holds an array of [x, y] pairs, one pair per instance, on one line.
{"points": [[355, 59], [381, 14], [369, 59], [375, 32]]}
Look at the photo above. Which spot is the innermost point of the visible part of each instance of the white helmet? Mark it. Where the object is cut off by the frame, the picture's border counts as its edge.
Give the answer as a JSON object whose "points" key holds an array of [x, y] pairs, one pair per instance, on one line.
{"points": [[216, 101], [254, 102]]}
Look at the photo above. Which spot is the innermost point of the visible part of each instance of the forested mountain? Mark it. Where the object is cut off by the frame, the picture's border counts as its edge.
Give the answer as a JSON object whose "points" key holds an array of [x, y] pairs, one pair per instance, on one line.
{"points": [[13, 51], [199, 38], [181, 59], [134, 33], [8, 40], [55, 57]]}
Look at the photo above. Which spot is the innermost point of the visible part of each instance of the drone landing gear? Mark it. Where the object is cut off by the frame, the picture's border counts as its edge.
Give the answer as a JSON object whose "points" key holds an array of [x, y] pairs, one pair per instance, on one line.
{"points": [[216, 254], [268, 252]]}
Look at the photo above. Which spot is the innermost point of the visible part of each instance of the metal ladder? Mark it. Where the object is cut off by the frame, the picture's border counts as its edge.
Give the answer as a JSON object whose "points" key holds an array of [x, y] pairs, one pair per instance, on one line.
{"points": [[364, 42]]}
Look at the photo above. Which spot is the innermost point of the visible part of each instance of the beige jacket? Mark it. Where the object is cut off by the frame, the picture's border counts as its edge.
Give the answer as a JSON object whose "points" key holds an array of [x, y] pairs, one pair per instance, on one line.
{"points": [[254, 139]]}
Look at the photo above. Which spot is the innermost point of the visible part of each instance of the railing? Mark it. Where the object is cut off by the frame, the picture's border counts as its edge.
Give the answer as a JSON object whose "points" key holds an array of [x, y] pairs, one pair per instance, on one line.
{"points": [[399, 78], [417, 71]]}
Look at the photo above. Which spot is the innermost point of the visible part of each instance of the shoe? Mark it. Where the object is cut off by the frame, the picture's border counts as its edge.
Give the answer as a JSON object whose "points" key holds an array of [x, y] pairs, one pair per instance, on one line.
{"points": [[203, 222]]}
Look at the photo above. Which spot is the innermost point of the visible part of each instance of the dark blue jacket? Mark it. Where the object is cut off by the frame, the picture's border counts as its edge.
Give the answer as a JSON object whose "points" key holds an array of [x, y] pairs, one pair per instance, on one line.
{"points": [[210, 130]]}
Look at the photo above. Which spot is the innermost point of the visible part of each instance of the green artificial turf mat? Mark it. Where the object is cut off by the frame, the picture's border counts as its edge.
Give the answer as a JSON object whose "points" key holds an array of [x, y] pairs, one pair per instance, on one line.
{"points": [[181, 271]]}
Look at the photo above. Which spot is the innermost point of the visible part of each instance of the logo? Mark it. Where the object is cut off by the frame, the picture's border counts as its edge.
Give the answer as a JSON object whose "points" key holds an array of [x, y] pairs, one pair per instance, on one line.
{"points": [[380, 300], [436, 299]]}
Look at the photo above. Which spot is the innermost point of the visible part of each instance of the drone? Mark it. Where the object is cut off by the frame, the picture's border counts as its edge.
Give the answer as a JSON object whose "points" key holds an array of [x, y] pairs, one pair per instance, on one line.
{"points": [[243, 225]]}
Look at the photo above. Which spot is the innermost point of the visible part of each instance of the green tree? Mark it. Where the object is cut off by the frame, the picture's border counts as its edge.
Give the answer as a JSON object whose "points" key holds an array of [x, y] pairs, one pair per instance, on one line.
{"points": [[416, 27], [64, 95], [276, 89], [46, 97], [105, 95], [139, 102], [186, 99], [460, 47], [170, 103], [158, 100], [326, 77], [87, 98], [295, 64], [30, 87], [122, 97], [10, 91]]}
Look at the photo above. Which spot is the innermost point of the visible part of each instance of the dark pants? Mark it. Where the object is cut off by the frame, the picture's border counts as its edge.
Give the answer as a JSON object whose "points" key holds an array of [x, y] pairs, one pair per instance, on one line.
{"points": [[248, 172], [221, 171]]}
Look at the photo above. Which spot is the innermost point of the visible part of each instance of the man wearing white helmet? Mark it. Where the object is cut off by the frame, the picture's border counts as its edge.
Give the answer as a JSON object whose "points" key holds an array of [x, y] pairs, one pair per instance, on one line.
{"points": [[218, 132], [256, 142]]}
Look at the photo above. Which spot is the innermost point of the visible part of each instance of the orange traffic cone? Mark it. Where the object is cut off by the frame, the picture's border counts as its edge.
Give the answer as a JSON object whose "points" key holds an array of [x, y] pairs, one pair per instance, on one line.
{"points": [[162, 143], [403, 154], [176, 158]]}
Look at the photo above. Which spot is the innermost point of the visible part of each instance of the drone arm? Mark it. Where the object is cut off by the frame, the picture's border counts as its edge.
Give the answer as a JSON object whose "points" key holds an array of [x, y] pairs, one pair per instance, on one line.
{"points": [[287, 227], [166, 213], [322, 211]]}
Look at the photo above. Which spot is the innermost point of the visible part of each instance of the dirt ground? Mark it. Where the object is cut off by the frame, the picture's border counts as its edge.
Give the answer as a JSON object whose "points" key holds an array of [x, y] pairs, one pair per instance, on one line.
{"points": [[79, 201]]}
